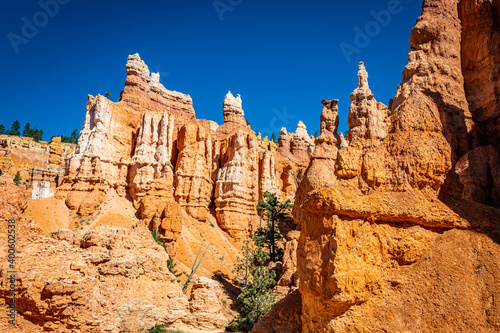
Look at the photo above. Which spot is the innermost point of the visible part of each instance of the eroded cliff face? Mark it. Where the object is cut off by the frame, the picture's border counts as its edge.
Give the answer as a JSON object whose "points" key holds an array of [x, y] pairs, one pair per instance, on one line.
{"points": [[143, 163], [478, 169], [108, 279], [151, 148], [388, 241], [40, 164], [143, 91]]}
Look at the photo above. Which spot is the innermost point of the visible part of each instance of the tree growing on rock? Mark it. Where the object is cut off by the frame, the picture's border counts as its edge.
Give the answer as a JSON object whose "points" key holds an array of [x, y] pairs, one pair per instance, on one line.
{"points": [[275, 212], [34, 132], [17, 178], [256, 297], [73, 138], [14, 129], [273, 138]]}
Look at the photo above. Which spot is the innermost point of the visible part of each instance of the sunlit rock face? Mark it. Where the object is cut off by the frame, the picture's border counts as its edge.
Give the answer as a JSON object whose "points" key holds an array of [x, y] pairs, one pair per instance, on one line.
{"points": [[86, 271], [43, 182], [149, 147], [382, 214], [368, 119], [237, 185], [193, 172], [40, 164], [144, 92], [232, 109], [302, 145]]}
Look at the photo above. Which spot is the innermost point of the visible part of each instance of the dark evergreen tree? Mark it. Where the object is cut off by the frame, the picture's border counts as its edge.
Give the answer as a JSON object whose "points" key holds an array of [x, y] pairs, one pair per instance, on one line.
{"points": [[275, 212], [14, 129], [17, 178], [273, 138], [27, 130], [74, 136], [256, 297]]}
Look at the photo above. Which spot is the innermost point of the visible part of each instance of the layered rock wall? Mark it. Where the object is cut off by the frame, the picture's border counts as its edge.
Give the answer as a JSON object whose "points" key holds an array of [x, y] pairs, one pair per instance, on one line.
{"points": [[143, 91], [43, 182], [478, 169], [384, 225], [22, 154], [150, 147], [193, 172]]}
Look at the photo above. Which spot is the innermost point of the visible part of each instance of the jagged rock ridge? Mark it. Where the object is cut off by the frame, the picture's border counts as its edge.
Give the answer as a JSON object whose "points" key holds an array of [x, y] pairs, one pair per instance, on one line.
{"points": [[385, 228], [150, 146]]}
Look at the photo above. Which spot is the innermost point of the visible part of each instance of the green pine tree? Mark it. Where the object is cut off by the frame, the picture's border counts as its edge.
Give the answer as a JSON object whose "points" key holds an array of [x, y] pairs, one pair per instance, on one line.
{"points": [[74, 136], [273, 138], [2, 129], [269, 235], [17, 178], [27, 130], [16, 126], [256, 297]]}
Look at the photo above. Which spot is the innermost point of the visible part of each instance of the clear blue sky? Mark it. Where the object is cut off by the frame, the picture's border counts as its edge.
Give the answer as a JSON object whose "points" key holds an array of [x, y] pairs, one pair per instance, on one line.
{"points": [[283, 57]]}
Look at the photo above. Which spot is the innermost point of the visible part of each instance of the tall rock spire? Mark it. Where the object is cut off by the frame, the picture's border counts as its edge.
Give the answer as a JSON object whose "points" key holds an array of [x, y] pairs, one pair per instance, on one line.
{"points": [[363, 89], [233, 111], [367, 118]]}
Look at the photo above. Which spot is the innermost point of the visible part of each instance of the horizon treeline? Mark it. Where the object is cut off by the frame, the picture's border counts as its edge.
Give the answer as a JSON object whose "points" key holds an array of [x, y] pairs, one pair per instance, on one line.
{"points": [[35, 133]]}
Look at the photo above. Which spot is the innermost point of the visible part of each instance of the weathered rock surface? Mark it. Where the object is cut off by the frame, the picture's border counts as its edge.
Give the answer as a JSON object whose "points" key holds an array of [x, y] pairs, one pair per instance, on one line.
{"points": [[108, 279], [284, 317], [23, 154], [232, 110], [150, 147], [43, 182], [237, 185], [302, 145], [387, 242], [434, 68], [367, 118], [144, 92], [481, 81], [97, 163], [205, 305], [193, 172]]}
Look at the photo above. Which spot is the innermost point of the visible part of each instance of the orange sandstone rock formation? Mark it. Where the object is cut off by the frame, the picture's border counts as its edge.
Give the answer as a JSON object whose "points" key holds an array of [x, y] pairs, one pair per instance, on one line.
{"points": [[388, 242], [150, 146], [193, 172], [143, 91], [23, 154], [108, 279]]}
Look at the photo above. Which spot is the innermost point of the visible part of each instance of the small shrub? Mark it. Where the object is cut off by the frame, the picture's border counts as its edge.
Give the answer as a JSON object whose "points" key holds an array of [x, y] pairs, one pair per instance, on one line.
{"points": [[256, 297], [171, 267], [158, 329], [17, 179], [163, 329], [170, 262]]}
